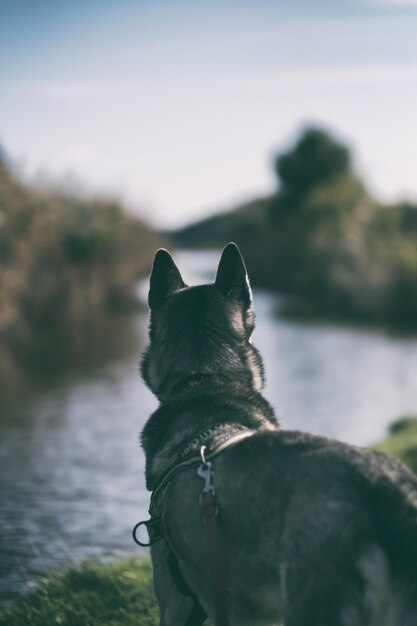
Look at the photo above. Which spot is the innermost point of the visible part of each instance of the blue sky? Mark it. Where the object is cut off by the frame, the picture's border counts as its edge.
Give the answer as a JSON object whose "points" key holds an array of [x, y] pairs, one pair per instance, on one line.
{"points": [[179, 106]]}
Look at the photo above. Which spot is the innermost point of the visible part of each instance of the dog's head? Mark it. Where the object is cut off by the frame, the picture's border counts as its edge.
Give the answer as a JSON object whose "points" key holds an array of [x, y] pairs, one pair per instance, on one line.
{"points": [[203, 330]]}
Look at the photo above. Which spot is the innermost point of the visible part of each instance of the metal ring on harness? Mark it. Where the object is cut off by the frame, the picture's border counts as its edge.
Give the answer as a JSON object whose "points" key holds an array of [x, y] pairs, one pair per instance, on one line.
{"points": [[135, 537], [154, 527]]}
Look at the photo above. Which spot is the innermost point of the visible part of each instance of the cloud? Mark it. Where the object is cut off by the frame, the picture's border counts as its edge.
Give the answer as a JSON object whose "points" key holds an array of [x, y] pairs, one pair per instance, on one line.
{"points": [[74, 91], [393, 3], [76, 156], [344, 77]]}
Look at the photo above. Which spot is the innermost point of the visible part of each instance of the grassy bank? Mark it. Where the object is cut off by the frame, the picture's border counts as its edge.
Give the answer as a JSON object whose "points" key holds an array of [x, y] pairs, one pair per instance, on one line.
{"points": [[402, 441], [67, 264], [114, 594], [120, 593]]}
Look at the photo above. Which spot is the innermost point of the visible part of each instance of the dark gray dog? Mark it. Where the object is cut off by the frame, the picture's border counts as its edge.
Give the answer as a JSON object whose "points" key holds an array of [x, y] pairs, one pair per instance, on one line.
{"points": [[313, 532]]}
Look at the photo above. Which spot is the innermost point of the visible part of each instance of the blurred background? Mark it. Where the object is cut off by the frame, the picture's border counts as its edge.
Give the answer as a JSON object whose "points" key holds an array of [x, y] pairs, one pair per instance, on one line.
{"points": [[288, 126]]}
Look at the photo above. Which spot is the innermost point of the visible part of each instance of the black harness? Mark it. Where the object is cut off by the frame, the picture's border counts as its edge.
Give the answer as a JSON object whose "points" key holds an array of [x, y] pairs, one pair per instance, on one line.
{"points": [[197, 453]]}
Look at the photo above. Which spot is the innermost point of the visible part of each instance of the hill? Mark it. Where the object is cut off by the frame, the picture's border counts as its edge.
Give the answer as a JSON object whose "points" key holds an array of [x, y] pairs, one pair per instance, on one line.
{"points": [[322, 238]]}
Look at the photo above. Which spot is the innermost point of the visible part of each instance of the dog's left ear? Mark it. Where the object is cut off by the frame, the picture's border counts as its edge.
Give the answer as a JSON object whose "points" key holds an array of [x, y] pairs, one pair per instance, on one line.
{"points": [[232, 277], [165, 279]]}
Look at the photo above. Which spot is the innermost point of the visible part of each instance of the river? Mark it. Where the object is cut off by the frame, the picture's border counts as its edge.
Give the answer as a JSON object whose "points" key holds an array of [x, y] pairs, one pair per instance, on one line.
{"points": [[71, 469]]}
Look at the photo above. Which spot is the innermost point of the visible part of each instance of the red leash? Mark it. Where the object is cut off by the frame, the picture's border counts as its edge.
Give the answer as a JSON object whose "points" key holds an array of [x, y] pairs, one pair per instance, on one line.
{"points": [[209, 510]]}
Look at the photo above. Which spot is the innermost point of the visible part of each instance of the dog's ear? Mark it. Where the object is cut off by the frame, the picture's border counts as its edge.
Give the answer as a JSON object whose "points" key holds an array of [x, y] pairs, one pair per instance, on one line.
{"points": [[165, 279], [232, 278]]}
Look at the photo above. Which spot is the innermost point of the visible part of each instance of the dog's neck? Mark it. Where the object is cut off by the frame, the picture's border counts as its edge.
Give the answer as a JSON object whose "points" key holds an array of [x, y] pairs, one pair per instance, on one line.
{"points": [[190, 382], [178, 385], [195, 405]]}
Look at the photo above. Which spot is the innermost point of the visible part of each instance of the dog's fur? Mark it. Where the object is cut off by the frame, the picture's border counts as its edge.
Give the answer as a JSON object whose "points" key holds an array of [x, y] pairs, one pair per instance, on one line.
{"points": [[314, 532]]}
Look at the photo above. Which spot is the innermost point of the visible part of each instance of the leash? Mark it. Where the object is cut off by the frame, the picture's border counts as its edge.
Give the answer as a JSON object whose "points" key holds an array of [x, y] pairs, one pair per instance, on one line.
{"points": [[156, 526], [209, 509]]}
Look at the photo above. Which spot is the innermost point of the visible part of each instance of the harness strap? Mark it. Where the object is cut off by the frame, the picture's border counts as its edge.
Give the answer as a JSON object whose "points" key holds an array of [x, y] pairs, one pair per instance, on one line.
{"points": [[157, 529], [195, 459], [156, 525], [197, 616]]}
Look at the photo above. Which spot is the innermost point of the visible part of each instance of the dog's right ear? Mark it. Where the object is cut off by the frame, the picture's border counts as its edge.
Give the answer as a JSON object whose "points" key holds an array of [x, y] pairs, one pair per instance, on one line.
{"points": [[165, 279], [232, 278]]}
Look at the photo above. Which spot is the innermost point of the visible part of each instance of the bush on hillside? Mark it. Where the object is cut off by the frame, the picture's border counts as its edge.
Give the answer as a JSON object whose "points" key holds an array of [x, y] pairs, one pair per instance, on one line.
{"points": [[323, 240], [64, 261]]}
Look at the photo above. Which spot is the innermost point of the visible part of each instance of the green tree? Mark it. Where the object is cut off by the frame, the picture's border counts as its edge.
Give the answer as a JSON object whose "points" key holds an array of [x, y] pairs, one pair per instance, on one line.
{"points": [[315, 159]]}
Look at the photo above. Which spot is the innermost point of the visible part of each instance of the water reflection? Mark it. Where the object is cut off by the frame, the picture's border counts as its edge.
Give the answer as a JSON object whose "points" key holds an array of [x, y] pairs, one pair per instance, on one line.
{"points": [[72, 475], [72, 482]]}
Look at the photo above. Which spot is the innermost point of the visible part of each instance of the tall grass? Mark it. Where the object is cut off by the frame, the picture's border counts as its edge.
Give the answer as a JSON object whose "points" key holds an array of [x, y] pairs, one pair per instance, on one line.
{"points": [[66, 263]]}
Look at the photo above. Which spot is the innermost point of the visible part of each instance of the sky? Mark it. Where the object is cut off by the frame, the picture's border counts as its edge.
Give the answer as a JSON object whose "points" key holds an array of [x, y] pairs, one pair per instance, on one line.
{"points": [[178, 107]]}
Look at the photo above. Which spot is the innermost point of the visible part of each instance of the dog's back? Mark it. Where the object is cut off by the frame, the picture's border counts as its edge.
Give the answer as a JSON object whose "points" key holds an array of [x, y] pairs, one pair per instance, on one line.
{"points": [[325, 533], [313, 532]]}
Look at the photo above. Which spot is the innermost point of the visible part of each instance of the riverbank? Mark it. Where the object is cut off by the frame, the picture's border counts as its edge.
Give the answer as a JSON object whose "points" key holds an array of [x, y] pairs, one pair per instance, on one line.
{"points": [[120, 593], [68, 263]]}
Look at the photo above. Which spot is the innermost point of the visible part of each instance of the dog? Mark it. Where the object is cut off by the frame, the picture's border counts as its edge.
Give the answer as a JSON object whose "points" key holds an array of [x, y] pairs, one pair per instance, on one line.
{"points": [[311, 531]]}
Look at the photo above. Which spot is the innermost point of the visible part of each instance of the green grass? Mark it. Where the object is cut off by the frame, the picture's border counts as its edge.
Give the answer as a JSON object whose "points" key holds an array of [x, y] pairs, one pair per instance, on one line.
{"points": [[119, 593], [401, 441]]}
